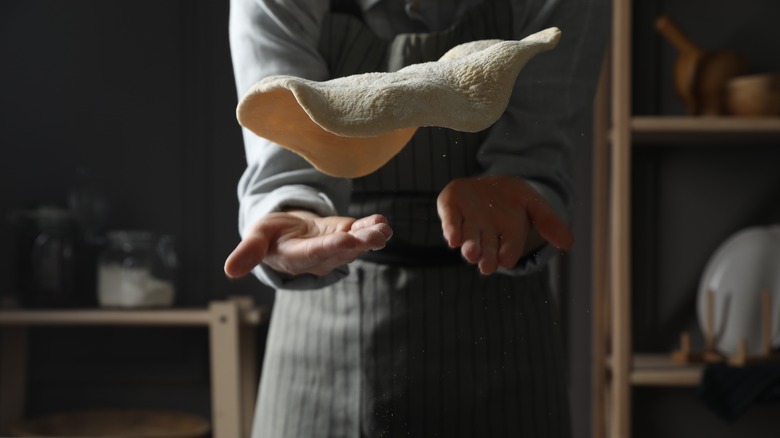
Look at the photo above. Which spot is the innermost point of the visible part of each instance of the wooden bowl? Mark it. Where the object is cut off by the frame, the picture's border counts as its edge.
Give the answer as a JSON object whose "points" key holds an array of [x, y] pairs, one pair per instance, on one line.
{"points": [[756, 95], [114, 423]]}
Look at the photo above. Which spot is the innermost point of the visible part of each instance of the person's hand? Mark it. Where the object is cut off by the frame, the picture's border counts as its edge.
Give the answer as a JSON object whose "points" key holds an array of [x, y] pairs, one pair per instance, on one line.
{"points": [[496, 220], [300, 242]]}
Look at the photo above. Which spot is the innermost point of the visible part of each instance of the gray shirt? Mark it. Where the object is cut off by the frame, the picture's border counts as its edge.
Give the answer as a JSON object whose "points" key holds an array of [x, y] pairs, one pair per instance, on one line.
{"points": [[546, 119]]}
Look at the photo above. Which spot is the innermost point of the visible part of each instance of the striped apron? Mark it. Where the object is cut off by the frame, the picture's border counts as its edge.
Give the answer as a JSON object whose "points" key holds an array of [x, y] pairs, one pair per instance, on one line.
{"points": [[414, 342]]}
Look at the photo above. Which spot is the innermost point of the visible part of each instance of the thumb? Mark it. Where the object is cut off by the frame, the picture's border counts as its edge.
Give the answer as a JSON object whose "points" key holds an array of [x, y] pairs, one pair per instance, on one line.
{"points": [[247, 254], [549, 225]]}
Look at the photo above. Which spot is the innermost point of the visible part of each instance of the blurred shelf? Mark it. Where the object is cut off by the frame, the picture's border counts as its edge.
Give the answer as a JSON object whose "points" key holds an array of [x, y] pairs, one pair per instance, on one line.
{"points": [[134, 317], [650, 369], [684, 129], [231, 333], [660, 370], [617, 368]]}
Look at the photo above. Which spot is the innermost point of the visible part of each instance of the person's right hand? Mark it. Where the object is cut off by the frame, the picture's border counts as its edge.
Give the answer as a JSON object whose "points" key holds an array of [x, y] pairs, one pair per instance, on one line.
{"points": [[300, 242]]}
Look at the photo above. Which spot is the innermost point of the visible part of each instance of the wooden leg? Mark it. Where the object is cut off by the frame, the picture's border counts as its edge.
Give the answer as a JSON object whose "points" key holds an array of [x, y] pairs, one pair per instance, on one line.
{"points": [[226, 398], [766, 324], [13, 375], [709, 332], [620, 224], [248, 364], [608, 408], [248, 376]]}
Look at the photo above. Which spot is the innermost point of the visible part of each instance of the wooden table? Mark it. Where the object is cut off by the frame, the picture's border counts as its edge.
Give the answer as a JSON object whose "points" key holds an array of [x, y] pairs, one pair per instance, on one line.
{"points": [[231, 325]]}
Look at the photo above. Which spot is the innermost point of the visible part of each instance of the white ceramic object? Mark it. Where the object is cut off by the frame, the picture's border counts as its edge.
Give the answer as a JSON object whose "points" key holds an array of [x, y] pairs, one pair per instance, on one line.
{"points": [[744, 266]]}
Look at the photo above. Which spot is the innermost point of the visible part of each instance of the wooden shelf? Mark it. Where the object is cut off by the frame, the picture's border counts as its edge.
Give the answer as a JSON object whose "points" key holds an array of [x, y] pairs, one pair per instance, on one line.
{"points": [[684, 129], [231, 332], [660, 370], [617, 368], [134, 317], [650, 369]]}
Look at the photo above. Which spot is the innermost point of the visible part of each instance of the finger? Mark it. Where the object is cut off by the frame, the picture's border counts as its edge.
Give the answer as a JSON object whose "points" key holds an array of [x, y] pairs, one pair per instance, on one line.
{"points": [[247, 254], [330, 245], [369, 221], [551, 227], [510, 249], [471, 248], [310, 255], [372, 238], [383, 228], [331, 251], [488, 262], [451, 223]]}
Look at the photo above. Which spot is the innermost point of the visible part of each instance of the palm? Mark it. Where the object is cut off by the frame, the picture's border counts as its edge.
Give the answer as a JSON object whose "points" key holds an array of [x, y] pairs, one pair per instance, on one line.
{"points": [[304, 243], [494, 220]]}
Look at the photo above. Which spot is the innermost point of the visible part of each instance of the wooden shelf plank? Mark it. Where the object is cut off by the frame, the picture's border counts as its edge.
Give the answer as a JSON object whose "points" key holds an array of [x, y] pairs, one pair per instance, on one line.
{"points": [[684, 129], [660, 370], [232, 341], [112, 317]]}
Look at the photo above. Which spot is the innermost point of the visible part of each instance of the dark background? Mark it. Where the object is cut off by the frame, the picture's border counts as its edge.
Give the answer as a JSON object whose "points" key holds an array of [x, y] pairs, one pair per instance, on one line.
{"points": [[136, 100]]}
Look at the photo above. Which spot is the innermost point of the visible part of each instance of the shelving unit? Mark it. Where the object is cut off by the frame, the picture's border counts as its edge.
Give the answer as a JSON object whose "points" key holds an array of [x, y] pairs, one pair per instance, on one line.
{"points": [[617, 368], [659, 370], [681, 129], [231, 324]]}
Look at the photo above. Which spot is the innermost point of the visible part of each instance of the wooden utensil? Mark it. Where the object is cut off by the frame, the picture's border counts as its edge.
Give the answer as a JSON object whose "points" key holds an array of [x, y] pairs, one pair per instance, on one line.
{"points": [[700, 76]]}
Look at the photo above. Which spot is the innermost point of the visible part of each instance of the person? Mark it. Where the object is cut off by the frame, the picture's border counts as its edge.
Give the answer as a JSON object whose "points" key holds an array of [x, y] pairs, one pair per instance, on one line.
{"points": [[415, 300]]}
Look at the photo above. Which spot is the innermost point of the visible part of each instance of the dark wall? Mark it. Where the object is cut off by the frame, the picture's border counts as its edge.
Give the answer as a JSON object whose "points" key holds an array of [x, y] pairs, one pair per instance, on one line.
{"points": [[689, 198], [134, 101]]}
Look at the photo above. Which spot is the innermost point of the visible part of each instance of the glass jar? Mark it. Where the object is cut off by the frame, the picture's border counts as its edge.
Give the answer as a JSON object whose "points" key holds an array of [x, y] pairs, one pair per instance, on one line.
{"points": [[137, 269], [47, 259]]}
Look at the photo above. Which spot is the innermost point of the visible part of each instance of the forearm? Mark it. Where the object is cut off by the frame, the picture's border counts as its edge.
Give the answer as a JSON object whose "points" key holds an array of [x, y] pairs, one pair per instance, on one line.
{"points": [[268, 37]]}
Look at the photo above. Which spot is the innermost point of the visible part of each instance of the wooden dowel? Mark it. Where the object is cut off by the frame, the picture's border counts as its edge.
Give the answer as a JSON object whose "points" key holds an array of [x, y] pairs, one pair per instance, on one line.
{"points": [[766, 322], [709, 337], [742, 352], [685, 342]]}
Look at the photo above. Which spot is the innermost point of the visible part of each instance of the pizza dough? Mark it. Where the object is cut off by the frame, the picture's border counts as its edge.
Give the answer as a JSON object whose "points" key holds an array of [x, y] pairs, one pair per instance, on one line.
{"points": [[351, 126]]}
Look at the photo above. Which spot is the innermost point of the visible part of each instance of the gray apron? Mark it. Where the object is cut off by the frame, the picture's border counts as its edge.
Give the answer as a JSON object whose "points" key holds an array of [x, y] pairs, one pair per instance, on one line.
{"points": [[414, 342]]}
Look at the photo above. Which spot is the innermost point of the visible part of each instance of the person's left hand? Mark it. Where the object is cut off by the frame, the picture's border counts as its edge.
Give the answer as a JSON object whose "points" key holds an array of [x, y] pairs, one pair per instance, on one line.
{"points": [[496, 220]]}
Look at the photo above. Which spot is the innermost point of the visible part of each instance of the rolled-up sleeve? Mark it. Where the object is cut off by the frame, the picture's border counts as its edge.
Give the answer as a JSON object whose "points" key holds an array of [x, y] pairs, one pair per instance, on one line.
{"points": [[269, 37]]}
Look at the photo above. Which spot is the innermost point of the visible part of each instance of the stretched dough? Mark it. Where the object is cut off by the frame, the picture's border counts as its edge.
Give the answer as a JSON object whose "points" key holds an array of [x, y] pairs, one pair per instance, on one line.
{"points": [[351, 126]]}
